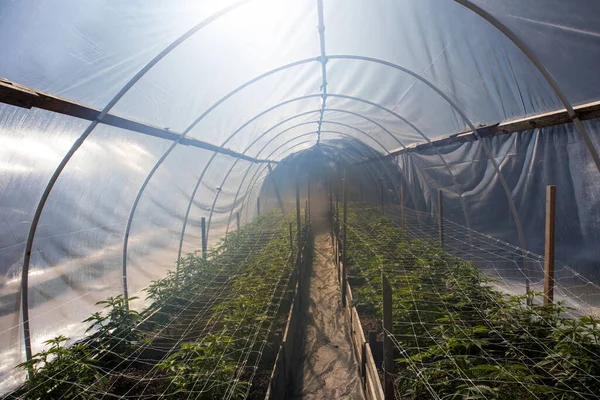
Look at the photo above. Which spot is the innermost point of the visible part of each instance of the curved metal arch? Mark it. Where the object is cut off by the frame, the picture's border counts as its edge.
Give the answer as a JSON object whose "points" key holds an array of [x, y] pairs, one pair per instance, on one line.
{"points": [[416, 129], [394, 137], [194, 191], [252, 183], [175, 143], [540, 67], [76, 145], [509, 198], [262, 168], [193, 194], [318, 132]]}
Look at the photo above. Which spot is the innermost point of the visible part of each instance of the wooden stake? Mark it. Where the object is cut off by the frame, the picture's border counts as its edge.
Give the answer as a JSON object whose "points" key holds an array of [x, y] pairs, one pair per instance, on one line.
{"points": [[382, 196], [388, 347], [292, 242], [298, 222], [441, 217], [237, 220], [203, 227], [258, 206], [344, 243], [550, 241], [308, 199], [402, 207]]}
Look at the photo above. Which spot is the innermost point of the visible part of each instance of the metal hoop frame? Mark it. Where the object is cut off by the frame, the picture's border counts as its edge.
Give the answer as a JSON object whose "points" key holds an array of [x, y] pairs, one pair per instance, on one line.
{"points": [[77, 144]]}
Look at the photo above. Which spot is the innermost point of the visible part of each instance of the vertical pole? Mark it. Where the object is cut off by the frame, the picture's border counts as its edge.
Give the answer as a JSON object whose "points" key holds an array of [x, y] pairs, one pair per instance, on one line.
{"points": [[258, 206], [381, 195], [203, 226], [299, 238], [292, 242], [402, 207], [331, 211], [441, 217], [237, 220], [344, 273], [298, 222], [550, 241], [388, 347], [308, 201], [306, 212], [372, 338]]}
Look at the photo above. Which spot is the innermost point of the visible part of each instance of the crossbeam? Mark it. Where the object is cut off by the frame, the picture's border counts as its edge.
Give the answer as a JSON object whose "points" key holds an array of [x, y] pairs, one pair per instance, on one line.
{"points": [[558, 117], [26, 97]]}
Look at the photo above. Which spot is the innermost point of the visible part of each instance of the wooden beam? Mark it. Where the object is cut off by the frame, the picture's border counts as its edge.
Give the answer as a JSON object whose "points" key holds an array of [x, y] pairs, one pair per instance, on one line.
{"points": [[558, 117], [388, 346], [550, 241], [25, 97]]}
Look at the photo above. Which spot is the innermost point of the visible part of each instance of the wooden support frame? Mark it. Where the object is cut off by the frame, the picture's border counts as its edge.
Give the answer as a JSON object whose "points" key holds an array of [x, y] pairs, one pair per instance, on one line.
{"points": [[550, 242], [344, 232], [203, 227], [402, 216], [25, 97], [557, 117], [441, 217], [388, 346]]}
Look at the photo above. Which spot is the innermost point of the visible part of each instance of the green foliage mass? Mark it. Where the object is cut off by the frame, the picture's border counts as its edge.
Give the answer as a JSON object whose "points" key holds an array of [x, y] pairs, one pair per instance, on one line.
{"points": [[254, 263], [458, 337]]}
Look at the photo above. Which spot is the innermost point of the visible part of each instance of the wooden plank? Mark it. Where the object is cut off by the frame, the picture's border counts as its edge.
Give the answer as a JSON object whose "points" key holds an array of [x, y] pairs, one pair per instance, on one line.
{"points": [[441, 217], [25, 97], [557, 117], [372, 382], [388, 347], [550, 241]]}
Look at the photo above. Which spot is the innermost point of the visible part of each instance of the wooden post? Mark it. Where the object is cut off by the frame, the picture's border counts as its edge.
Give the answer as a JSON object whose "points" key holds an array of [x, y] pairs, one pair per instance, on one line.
{"points": [[258, 206], [372, 339], [331, 211], [550, 240], [388, 346], [441, 217], [306, 212], [237, 220], [292, 242], [203, 227], [298, 222], [381, 195], [344, 243], [308, 199], [402, 207]]}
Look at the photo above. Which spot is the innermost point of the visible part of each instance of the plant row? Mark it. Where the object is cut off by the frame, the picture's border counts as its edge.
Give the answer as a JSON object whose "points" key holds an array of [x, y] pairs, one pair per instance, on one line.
{"points": [[202, 336], [457, 337]]}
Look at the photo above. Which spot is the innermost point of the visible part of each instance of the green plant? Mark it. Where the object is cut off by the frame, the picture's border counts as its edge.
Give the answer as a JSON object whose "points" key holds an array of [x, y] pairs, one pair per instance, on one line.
{"points": [[115, 329], [459, 338], [60, 372], [204, 369]]}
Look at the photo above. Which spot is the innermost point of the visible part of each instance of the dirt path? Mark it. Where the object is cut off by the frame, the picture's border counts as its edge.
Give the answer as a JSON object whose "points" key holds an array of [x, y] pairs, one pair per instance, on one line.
{"points": [[328, 368]]}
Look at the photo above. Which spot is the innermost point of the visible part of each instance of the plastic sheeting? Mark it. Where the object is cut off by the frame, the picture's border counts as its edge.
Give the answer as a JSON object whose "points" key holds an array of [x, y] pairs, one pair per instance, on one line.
{"points": [[529, 161], [215, 86]]}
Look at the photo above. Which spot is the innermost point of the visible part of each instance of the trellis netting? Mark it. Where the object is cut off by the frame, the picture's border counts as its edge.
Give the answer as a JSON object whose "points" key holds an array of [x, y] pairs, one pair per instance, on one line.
{"points": [[208, 93]]}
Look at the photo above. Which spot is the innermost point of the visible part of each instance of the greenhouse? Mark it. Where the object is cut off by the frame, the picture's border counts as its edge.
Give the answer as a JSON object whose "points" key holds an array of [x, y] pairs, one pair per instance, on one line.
{"points": [[320, 199]]}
